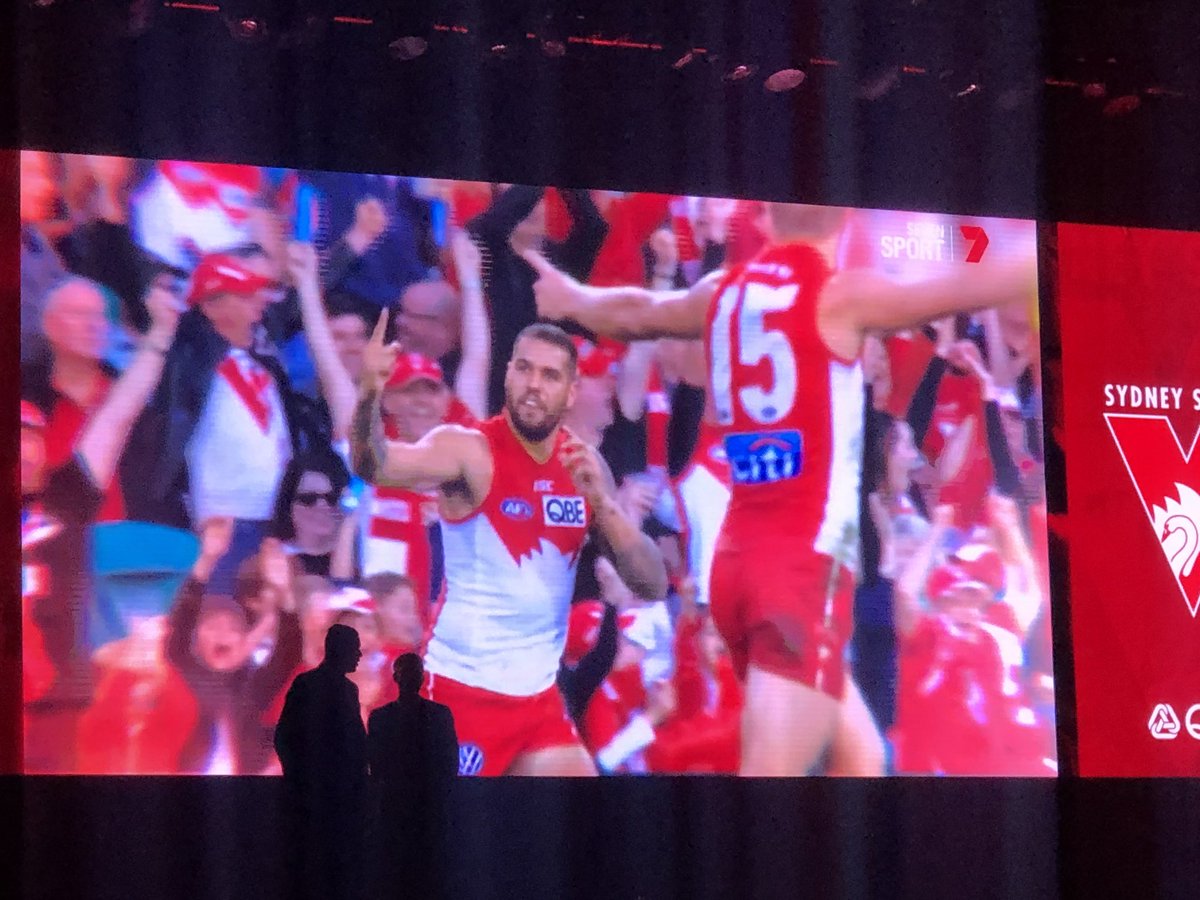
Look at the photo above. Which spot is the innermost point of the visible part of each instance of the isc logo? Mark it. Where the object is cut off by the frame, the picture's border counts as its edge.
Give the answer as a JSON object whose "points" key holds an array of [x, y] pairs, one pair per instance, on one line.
{"points": [[565, 512]]}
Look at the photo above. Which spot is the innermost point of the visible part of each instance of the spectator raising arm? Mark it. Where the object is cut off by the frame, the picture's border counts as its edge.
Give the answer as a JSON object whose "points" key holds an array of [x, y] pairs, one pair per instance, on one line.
{"points": [[634, 378], [471, 383], [909, 587], [1024, 593], [1008, 475], [103, 439], [336, 383]]}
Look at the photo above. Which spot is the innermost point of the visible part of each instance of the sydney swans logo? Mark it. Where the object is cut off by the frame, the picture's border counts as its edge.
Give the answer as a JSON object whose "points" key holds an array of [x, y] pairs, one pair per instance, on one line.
{"points": [[1165, 476]]}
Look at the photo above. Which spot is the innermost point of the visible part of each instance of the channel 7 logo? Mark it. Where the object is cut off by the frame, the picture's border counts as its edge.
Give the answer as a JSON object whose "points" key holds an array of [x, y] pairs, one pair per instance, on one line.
{"points": [[935, 242]]}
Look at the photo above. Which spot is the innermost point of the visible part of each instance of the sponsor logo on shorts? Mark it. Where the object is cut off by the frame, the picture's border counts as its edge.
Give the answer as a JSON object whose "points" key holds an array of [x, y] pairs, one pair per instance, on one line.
{"points": [[516, 508], [564, 512], [470, 759], [764, 457]]}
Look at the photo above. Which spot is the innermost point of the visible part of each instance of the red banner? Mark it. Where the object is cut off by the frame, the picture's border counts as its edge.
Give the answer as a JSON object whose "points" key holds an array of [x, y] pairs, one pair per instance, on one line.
{"points": [[1130, 319]]}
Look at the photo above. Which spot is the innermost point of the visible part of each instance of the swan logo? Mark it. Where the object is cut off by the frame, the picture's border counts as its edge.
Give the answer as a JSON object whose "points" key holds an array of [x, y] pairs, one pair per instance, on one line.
{"points": [[1165, 475]]}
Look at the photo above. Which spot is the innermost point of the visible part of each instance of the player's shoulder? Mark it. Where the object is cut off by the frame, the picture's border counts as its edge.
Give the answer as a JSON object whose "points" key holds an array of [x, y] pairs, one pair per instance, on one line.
{"points": [[456, 436]]}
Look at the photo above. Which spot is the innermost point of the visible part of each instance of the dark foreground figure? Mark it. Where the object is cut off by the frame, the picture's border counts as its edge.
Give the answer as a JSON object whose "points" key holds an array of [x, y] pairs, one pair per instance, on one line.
{"points": [[323, 749], [414, 761]]}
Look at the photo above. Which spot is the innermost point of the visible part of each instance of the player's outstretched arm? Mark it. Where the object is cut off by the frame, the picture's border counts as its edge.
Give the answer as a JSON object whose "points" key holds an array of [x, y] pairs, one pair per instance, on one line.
{"points": [[622, 313], [633, 552], [858, 301], [441, 456]]}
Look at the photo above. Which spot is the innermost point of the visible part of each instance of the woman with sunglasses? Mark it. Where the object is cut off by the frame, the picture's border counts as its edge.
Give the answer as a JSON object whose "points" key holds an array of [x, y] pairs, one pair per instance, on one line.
{"points": [[308, 512]]}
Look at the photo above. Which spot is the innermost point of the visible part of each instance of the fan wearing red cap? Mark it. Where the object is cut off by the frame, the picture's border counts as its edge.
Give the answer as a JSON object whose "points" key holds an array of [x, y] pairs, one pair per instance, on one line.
{"points": [[225, 426], [961, 708], [415, 400]]}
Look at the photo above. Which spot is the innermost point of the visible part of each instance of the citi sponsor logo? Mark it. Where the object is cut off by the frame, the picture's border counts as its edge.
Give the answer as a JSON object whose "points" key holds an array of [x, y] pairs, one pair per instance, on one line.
{"points": [[564, 512], [516, 508], [1165, 724]]}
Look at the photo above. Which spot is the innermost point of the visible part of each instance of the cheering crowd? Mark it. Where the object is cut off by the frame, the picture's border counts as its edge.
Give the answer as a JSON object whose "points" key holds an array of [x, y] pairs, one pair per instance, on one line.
{"points": [[197, 343]]}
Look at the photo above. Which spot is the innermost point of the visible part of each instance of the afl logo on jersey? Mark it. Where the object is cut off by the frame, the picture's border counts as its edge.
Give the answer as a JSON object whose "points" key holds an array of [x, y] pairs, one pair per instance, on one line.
{"points": [[470, 759], [564, 512], [516, 508]]}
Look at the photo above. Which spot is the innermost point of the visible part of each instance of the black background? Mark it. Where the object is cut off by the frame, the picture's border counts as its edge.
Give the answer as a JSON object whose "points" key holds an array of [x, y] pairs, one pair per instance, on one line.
{"points": [[623, 119]]}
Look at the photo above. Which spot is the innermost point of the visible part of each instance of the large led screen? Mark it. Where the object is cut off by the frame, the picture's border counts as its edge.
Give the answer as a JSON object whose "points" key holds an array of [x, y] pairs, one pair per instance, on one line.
{"points": [[763, 493], [1130, 327]]}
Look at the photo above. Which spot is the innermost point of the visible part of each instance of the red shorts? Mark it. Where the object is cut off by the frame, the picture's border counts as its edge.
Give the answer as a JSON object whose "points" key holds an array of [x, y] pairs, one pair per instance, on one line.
{"points": [[773, 606], [494, 729]]}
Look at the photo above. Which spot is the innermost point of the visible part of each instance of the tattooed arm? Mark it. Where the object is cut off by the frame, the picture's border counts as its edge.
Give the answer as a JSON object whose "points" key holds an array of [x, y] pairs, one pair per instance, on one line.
{"points": [[633, 553]]}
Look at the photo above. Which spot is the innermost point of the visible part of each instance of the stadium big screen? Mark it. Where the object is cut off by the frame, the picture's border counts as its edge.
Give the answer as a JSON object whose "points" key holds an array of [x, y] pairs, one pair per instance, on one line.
{"points": [[825, 422], [1130, 329]]}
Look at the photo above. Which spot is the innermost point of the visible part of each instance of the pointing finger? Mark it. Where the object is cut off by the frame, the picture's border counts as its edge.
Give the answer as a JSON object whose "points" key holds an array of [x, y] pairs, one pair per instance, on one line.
{"points": [[540, 264], [380, 327]]}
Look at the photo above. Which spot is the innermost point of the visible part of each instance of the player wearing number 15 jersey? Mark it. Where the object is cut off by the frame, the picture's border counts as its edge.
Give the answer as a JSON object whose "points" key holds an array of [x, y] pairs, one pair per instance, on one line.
{"points": [[783, 334]]}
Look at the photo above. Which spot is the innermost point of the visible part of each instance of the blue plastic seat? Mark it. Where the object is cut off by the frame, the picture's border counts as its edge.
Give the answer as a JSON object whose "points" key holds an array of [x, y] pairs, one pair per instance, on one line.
{"points": [[139, 568]]}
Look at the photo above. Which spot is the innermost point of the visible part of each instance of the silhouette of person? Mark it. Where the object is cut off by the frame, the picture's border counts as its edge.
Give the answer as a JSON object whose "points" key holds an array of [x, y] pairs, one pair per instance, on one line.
{"points": [[322, 747], [414, 759]]}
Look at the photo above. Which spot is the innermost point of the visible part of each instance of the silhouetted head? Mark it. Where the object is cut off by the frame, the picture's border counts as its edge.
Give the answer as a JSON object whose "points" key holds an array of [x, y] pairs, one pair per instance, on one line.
{"points": [[342, 649], [408, 671]]}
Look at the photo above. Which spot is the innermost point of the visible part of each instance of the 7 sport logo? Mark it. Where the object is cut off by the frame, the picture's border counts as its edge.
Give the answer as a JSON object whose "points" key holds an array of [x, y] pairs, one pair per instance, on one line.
{"points": [[1166, 477]]}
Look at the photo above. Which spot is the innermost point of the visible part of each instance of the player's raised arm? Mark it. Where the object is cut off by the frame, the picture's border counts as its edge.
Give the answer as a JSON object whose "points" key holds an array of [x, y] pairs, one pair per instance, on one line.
{"points": [[440, 457], [623, 313], [858, 301], [633, 553]]}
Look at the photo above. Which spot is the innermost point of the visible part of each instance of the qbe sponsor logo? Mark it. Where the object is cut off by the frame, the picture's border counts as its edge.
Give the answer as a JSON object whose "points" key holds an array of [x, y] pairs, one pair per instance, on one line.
{"points": [[564, 512], [1165, 724]]}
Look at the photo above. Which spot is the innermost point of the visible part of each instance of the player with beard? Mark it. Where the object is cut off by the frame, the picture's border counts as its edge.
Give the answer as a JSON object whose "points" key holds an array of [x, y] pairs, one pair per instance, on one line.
{"points": [[518, 497], [783, 335]]}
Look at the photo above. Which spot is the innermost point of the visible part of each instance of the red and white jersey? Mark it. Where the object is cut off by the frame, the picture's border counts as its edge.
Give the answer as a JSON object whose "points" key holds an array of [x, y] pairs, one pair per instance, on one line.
{"points": [[241, 444], [701, 496], [790, 410], [510, 573]]}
